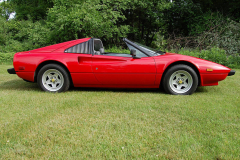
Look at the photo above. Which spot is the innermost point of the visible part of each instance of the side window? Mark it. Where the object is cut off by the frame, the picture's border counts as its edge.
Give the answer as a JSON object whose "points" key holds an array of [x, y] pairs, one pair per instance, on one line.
{"points": [[97, 45], [79, 48], [138, 53]]}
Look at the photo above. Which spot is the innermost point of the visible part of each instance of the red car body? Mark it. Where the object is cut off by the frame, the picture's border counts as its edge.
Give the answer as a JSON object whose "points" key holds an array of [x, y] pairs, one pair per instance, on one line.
{"points": [[91, 70]]}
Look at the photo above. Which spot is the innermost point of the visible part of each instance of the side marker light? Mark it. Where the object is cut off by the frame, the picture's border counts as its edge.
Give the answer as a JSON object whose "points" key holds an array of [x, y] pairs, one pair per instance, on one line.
{"points": [[209, 69]]}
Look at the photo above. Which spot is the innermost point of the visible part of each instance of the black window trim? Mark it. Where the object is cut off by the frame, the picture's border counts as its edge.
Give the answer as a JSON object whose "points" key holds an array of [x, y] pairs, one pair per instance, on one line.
{"points": [[136, 46], [93, 44], [90, 46]]}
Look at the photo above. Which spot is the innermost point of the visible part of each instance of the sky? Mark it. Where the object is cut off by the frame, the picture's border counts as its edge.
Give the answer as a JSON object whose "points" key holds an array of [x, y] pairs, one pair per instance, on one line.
{"points": [[12, 15]]}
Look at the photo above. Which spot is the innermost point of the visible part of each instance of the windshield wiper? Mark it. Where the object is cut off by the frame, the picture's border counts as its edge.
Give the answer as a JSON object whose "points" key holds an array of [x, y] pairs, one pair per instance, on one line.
{"points": [[160, 52]]}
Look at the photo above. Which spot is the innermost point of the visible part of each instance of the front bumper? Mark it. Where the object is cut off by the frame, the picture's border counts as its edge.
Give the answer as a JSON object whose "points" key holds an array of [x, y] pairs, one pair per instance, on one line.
{"points": [[231, 73], [11, 71]]}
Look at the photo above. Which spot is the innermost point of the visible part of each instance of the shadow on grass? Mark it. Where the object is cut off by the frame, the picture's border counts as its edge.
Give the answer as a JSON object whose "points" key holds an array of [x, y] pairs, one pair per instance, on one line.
{"points": [[127, 90], [201, 89], [21, 85], [18, 84], [133, 90]]}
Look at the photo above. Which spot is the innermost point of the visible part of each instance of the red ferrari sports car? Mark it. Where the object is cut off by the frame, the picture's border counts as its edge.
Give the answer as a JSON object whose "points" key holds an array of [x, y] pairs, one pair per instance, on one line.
{"points": [[83, 63]]}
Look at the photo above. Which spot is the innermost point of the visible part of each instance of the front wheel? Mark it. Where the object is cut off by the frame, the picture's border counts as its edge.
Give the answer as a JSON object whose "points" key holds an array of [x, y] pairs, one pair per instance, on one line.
{"points": [[53, 78], [180, 80]]}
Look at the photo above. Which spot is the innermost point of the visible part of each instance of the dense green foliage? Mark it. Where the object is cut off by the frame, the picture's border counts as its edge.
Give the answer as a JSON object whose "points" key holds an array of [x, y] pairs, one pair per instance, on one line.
{"points": [[226, 7], [6, 58], [31, 9], [188, 24], [77, 19], [191, 17], [22, 35]]}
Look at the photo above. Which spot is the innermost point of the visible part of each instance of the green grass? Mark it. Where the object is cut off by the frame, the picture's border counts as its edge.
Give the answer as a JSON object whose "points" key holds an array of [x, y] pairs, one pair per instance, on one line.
{"points": [[118, 124]]}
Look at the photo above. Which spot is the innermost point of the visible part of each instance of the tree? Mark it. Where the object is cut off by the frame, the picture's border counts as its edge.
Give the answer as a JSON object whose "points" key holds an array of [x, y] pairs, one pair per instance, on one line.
{"points": [[91, 18], [182, 16], [226, 7], [109, 20], [33, 9], [6, 9], [145, 19]]}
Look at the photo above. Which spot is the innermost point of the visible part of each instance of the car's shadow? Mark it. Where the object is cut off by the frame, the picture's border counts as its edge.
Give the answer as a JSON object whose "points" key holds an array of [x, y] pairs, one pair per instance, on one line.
{"points": [[20, 85], [201, 90], [131, 90]]}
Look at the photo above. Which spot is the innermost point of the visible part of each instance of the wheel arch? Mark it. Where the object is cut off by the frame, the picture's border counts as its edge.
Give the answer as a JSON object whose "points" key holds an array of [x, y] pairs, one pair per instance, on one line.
{"points": [[194, 67], [51, 62]]}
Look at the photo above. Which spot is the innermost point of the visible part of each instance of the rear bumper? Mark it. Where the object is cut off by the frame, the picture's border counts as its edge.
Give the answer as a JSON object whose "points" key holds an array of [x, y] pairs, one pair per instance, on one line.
{"points": [[11, 71], [231, 73]]}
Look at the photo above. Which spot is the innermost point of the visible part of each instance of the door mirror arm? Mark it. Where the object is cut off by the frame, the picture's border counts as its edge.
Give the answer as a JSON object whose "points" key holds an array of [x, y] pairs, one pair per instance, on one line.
{"points": [[133, 53]]}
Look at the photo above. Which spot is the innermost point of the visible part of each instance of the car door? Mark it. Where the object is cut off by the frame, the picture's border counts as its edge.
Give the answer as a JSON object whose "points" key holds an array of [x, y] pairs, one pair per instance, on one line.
{"points": [[80, 64], [117, 70]]}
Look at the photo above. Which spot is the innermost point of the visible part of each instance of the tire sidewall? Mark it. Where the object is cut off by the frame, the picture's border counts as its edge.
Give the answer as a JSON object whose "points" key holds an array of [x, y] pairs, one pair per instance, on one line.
{"points": [[175, 68], [66, 83]]}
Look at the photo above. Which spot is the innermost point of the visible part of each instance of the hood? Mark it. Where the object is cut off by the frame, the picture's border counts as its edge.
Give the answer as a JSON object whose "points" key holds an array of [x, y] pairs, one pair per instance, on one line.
{"points": [[201, 64]]}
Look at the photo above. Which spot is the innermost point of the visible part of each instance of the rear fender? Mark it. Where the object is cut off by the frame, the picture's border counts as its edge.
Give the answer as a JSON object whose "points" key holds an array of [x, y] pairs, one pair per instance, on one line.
{"points": [[45, 62]]}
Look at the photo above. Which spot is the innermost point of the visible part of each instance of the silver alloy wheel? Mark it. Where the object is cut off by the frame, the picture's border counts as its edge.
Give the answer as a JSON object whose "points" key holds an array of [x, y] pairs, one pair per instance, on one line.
{"points": [[181, 81], [52, 80]]}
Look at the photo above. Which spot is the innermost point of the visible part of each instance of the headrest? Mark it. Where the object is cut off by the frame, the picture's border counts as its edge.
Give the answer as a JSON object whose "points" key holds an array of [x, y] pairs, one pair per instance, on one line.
{"points": [[101, 50]]}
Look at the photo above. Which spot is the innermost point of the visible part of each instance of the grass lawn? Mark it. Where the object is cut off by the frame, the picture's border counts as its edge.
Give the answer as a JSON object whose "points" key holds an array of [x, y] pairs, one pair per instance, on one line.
{"points": [[118, 124]]}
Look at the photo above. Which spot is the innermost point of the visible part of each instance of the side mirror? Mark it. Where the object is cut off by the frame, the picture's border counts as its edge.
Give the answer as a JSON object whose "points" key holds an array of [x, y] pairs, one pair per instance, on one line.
{"points": [[133, 53]]}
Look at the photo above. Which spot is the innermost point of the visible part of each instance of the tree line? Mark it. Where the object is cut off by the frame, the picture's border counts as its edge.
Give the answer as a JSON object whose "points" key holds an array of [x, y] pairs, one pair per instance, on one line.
{"points": [[158, 23]]}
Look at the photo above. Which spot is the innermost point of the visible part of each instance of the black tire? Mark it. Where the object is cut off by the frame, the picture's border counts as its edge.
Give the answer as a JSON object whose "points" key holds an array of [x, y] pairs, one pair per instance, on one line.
{"points": [[53, 78], [180, 80]]}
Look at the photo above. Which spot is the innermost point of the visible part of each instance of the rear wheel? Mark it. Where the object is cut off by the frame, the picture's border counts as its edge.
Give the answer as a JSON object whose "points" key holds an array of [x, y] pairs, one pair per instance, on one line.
{"points": [[180, 80], [53, 78]]}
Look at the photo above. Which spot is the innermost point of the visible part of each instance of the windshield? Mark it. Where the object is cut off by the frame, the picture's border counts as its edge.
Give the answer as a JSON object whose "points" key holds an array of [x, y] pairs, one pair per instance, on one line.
{"points": [[150, 50]]}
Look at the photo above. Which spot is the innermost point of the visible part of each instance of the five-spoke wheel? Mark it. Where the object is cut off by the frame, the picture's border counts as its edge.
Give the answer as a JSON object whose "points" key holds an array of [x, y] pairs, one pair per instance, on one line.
{"points": [[180, 79], [53, 78]]}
